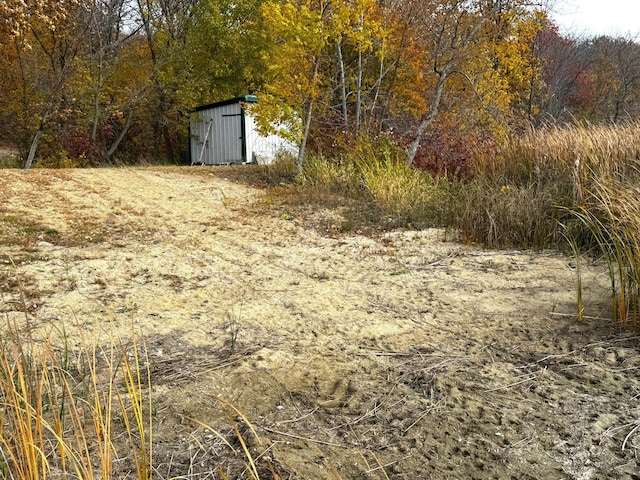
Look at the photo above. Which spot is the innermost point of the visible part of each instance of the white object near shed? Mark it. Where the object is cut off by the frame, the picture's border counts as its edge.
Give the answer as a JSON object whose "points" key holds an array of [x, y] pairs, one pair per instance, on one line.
{"points": [[225, 133]]}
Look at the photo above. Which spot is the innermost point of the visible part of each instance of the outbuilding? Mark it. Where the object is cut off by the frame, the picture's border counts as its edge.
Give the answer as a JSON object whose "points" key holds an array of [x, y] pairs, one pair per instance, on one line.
{"points": [[225, 133]]}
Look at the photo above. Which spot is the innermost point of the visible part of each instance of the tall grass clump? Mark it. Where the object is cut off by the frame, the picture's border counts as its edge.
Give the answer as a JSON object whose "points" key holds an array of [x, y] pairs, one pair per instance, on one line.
{"points": [[58, 407], [521, 196], [572, 187], [340, 177], [508, 215], [610, 217], [403, 191], [281, 170], [8, 160], [374, 173]]}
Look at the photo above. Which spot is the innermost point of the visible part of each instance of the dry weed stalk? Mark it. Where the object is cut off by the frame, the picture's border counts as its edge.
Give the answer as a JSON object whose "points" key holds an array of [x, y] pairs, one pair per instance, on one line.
{"points": [[58, 406], [611, 214]]}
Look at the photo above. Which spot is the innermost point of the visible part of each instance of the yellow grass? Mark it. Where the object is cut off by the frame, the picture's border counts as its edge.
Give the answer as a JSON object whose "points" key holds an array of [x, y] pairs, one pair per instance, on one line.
{"points": [[58, 406]]}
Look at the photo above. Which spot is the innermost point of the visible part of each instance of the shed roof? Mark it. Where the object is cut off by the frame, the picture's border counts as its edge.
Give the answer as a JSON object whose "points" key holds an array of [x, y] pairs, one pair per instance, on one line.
{"points": [[231, 101]]}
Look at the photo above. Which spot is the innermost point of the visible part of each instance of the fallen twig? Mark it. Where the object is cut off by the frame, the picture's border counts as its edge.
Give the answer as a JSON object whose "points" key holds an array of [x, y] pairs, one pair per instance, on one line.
{"points": [[306, 439], [626, 439], [530, 377], [424, 414], [392, 310], [523, 441], [299, 418]]}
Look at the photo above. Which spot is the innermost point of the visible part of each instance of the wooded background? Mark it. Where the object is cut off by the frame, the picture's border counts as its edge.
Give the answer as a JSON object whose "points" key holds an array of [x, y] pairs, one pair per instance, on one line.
{"points": [[92, 82]]}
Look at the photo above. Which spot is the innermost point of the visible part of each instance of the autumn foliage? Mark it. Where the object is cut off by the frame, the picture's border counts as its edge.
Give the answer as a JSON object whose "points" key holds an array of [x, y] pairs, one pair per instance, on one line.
{"points": [[103, 81]]}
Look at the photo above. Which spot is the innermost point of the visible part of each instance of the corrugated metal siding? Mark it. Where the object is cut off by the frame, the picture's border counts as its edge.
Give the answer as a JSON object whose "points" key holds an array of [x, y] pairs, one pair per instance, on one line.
{"points": [[228, 134], [216, 135], [200, 127], [223, 134]]}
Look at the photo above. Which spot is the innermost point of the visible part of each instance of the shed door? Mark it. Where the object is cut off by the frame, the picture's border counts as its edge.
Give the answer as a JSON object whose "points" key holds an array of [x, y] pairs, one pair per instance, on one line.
{"points": [[232, 138]]}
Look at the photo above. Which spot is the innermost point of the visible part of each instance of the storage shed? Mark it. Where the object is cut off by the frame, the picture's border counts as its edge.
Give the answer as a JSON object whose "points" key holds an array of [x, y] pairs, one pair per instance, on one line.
{"points": [[225, 133]]}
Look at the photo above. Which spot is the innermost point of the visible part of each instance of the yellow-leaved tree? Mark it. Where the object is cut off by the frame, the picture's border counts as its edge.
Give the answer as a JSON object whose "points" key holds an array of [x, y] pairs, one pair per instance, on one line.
{"points": [[304, 40], [296, 35], [17, 15], [504, 70]]}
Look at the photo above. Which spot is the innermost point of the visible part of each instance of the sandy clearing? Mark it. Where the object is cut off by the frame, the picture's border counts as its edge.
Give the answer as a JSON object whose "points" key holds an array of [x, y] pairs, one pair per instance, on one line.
{"points": [[348, 353]]}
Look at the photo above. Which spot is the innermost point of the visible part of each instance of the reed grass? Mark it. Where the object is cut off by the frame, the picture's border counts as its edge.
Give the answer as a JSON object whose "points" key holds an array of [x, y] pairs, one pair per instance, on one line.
{"points": [[610, 213], [58, 406], [541, 171], [572, 187]]}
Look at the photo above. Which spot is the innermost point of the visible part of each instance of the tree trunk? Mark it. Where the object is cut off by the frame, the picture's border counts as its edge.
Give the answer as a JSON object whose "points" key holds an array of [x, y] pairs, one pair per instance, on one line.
{"points": [[305, 136], [412, 150], [359, 96], [114, 146], [307, 122], [343, 86], [359, 88], [96, 107], [33, 149]]}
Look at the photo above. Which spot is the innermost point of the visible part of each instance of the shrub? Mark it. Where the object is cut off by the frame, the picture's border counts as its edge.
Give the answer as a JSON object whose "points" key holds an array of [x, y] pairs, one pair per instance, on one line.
{"points": [[79, 147]]}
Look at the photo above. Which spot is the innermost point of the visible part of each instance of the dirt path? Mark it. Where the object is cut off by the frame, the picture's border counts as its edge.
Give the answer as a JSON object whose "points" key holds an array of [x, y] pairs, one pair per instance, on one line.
{"points": [[400, 357]]}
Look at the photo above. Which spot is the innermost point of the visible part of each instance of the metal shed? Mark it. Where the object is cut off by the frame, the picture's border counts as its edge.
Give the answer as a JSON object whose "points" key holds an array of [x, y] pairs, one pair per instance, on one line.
{"points": [[224, 133]]}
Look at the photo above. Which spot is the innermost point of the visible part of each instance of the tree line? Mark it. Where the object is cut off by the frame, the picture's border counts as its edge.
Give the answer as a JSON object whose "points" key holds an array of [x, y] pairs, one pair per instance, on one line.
{"points": [[89, 82]]}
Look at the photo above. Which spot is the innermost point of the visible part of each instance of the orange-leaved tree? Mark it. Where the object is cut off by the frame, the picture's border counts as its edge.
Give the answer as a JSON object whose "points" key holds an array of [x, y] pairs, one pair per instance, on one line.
{"points": [[477, 46]]}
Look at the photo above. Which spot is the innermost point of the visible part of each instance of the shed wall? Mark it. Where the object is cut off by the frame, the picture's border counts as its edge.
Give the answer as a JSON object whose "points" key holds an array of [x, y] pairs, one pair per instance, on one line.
{"points": [[223, 133], [217, 135]]}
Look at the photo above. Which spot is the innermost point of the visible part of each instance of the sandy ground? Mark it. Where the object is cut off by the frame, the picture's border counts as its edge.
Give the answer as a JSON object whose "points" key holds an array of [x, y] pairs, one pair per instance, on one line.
{"points": [[400, 356]]}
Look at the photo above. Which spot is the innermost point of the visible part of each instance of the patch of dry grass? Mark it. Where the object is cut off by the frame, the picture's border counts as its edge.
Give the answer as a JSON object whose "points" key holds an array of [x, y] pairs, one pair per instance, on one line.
{"points": [[512, 199], [60, 405], [610, 215], [575, 183], [18, 229]]}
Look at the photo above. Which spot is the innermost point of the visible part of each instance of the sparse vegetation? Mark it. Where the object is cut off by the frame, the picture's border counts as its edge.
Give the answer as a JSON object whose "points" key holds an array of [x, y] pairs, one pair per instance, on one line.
{"points": [[75, 409], [16, 229], [61, 406], [538, 190], [610, 217]]}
